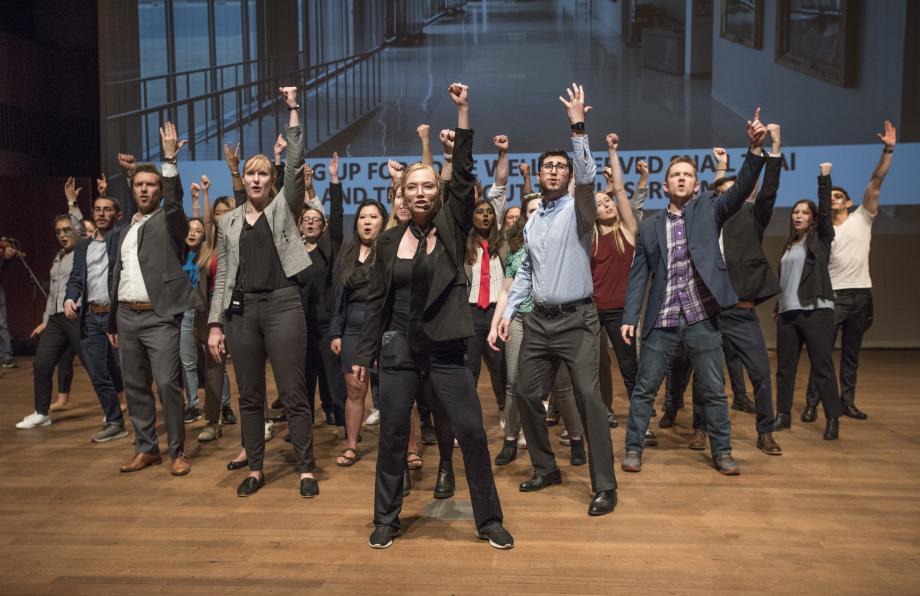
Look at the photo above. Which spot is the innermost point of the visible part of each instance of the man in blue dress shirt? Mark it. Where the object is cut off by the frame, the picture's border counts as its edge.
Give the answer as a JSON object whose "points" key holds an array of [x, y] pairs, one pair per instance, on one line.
{"points": [[563, 327]]}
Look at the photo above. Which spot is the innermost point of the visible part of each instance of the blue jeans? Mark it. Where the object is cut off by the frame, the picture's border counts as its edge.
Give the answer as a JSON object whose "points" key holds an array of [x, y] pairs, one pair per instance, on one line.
{"points": [[188, 354], [703, 345], [95, 347], [6, 345]]}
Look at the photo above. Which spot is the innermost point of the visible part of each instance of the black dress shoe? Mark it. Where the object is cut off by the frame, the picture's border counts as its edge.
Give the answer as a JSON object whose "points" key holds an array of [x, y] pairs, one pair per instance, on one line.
{"points": [[577, 456], [541, 482], [429, 437], [227, 415], [603, 502], [767, 444], [782, 421], [668, 418], [507, 454], [237, 465], [832, 430], [309, 488], [809, 414], [444, 486], [250, 486], [853, 412], [743, 403]]}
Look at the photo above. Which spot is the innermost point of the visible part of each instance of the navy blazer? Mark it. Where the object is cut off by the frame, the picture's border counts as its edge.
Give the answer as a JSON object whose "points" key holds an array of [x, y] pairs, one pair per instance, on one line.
{"points": [[704, 216], [77, 284]]}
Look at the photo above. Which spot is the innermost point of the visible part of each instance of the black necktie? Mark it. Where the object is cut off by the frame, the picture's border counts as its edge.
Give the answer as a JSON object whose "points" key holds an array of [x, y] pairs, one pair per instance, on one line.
{"points": [[418, 294]]}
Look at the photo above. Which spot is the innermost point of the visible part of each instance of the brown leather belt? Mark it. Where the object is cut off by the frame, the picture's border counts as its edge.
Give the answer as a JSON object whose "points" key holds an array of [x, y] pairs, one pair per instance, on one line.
{"points": [[745, 304], [137, 306], [99, 309]]}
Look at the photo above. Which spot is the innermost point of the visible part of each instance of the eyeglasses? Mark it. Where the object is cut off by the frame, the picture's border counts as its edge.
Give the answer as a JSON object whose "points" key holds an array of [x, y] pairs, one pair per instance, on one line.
{"points": [[312, 220], [103, 210], [560, 167], [63, 231]]}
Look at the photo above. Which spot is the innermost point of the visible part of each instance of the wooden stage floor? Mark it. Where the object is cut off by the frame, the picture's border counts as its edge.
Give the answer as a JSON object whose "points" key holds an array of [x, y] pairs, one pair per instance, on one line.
{"points": [[825, 518]]}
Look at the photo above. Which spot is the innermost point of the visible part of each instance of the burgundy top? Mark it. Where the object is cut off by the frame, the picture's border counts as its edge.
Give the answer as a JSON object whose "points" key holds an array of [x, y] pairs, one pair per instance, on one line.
{"points": [[610, 271]]}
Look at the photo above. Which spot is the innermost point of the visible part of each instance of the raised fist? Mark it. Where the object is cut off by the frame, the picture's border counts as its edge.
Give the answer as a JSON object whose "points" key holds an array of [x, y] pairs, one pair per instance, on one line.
{"points": [[500, 142], [459, 94]]}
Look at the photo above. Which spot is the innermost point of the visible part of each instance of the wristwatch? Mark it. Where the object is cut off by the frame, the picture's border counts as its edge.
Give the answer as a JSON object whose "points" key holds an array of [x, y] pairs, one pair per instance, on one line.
{"points": [[578, 127]]}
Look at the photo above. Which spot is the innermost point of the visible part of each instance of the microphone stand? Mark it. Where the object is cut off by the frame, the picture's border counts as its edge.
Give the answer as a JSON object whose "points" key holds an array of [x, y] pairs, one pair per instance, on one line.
{"points": [[35, 281]]}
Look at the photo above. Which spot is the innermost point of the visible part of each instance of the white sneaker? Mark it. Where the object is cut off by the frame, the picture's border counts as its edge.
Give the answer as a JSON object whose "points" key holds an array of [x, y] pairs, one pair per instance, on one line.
{"points": [[372, 418], [564, 438], [269, 430], [522, 442], [34, 420], [501, 421]]}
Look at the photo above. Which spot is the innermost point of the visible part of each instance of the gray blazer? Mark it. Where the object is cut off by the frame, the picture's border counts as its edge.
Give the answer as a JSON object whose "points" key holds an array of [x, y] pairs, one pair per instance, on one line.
{"points": [[160, 242], [283, 214]]}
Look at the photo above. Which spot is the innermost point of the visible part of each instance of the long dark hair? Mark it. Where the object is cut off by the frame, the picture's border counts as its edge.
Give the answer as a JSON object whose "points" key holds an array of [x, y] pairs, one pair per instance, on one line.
{"points": [[793, 235], [350, 249], [473, 238], [186, 249]]}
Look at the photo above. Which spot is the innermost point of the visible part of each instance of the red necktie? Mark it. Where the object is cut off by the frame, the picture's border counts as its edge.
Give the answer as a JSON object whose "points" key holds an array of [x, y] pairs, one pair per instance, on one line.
{"points": [[484, 286]]}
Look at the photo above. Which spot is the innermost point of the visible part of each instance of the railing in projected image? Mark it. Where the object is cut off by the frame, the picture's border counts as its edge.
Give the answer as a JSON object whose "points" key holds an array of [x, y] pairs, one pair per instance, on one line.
{"points": [[332, 95]]}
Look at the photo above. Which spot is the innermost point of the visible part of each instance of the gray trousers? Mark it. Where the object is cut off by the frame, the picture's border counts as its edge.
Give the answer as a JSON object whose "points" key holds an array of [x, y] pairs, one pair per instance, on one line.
{"points": [[149, 342], [572, 339], [561, 392]]}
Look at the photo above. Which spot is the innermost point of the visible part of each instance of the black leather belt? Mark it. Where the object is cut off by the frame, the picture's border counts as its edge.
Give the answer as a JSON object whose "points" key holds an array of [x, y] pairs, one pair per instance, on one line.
{"points": [[551, 311]]}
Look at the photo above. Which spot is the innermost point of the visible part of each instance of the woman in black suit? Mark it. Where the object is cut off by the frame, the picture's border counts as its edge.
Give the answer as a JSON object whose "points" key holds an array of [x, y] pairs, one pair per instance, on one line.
{"points": [[805, 310], [323, 241], [416, 324]]}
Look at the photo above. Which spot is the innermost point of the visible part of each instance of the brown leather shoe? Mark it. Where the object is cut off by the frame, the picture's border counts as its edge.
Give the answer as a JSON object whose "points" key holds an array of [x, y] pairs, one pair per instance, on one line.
{"points": [[766, 444], [698, 440], [141, 461], [180, 466]]}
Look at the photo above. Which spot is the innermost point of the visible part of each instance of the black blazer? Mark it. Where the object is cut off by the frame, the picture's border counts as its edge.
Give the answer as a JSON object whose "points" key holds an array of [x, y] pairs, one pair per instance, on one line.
{"points": [[447, 313], [160, 243], [742, 241], [816, 281], [328, 247], [704, 217]]}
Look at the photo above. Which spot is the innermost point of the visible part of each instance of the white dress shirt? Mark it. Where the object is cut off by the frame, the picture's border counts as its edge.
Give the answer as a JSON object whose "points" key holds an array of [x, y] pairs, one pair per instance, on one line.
{"points": [[131, 286]]}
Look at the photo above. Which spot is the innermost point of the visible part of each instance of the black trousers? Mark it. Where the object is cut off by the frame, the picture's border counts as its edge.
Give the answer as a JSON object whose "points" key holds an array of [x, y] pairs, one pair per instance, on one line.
{"points": [[444, 370], [814, 329], [627, 360], [853, 314], [479, 350], [60, 335], [571, 339], [272, 325], [213, 382], [324, 370], [65, 370], [742, 340]]}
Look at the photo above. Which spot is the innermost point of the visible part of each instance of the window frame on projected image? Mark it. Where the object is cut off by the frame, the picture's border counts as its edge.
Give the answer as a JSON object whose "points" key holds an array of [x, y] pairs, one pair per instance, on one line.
{"points": [[729, 30], [842, 70]]}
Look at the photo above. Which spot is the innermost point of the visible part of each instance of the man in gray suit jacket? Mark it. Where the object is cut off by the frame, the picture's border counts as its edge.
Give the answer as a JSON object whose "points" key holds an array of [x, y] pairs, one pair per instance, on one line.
{"points": [[150, 291], [679, 247]]}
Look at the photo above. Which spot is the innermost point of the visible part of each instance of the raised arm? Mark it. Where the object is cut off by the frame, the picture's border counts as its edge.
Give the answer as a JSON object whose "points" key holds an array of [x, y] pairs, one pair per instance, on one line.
{"points": [[825, 224], [498, 192], [583, 161], [73, 209], [335, 224], [730, 201], [232, 158], [624, 209], [527, 185], [638, 198], [120, 191], [206, 199], [766, 198], [176, 220], [294, 186], [461, 196], [447, 142], [422, 132], [280, 146], [889, 139], [195, 189], [721, 156]]}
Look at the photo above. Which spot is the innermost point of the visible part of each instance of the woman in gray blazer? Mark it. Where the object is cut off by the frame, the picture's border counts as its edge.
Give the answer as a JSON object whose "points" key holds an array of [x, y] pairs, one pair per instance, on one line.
{"points": [[257, 302]]}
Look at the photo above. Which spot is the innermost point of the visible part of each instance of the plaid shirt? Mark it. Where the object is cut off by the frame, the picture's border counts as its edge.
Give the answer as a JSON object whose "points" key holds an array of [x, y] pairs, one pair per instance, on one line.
{"points": [[685, 292]]}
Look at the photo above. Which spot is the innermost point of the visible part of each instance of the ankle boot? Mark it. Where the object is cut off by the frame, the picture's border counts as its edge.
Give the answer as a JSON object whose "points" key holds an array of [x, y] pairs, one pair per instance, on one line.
{"points": [[782, 421], [832, 430], [444, 487], [507, 454], [809, 414]]}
